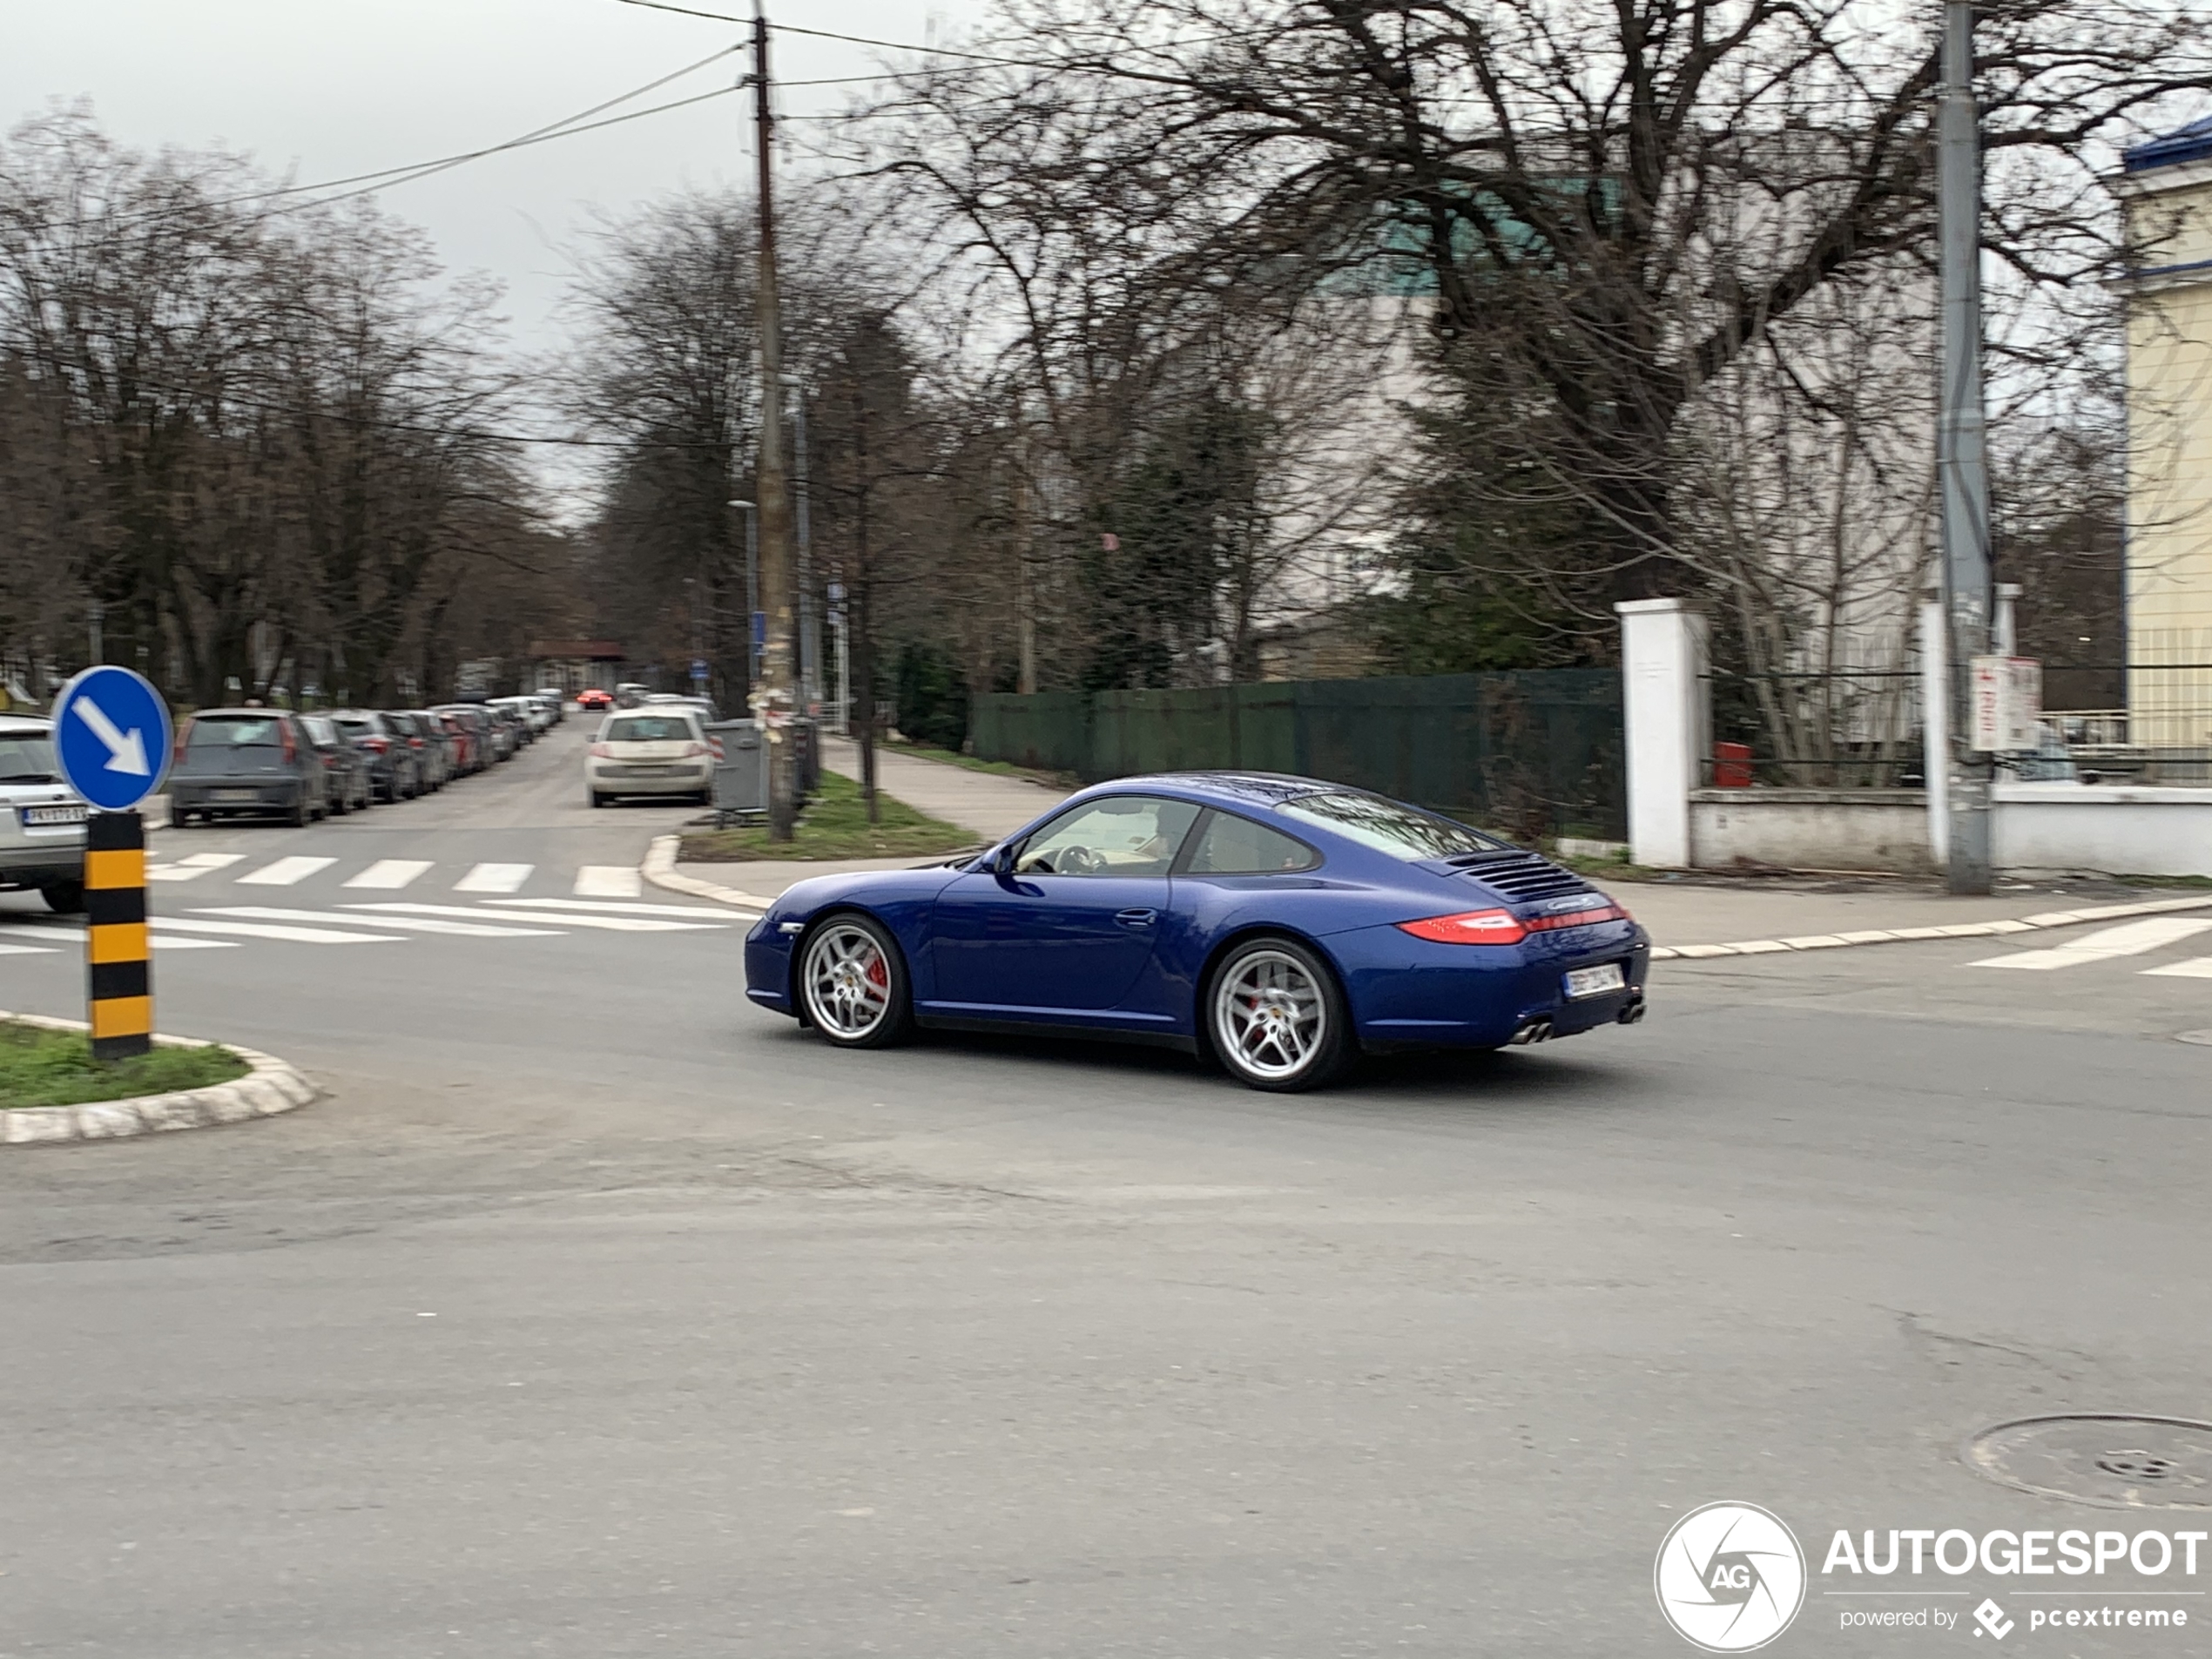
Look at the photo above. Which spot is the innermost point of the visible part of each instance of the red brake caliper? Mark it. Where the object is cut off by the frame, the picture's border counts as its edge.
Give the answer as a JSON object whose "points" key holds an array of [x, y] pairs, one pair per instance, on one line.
{"points": [[877, 975]]}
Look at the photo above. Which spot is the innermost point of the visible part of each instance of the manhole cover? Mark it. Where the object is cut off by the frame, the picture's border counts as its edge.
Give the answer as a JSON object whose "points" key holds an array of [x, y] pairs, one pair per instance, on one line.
{"points": [[2122, 1462], [2204, 1036]]}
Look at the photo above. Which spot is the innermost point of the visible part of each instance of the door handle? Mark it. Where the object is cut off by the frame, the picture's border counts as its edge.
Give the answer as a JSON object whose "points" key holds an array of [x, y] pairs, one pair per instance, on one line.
{"points": [[1136, 918]]}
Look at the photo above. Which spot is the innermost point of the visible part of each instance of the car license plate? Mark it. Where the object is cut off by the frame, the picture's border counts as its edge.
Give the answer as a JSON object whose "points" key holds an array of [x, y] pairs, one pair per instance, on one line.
{"points": [[238, 794], [40, 817], [1594, 981]]}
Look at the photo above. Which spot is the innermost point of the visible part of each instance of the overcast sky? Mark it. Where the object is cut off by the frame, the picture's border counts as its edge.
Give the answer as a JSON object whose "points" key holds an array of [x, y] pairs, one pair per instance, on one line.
{"points": [[325, 88]]}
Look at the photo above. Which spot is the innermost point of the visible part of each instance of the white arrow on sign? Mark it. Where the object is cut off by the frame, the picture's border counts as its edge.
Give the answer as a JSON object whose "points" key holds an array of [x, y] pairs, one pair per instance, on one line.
{"points": [[126, 751]]}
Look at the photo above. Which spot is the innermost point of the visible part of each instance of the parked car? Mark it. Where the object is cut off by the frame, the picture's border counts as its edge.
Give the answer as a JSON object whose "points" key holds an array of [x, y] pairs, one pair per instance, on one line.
{"points": [[1280, 925], [531, 710], [247, 763], [395, 769], [592, 699], [346, 764], [427, 736], [500, 727], [41, 820], [557, 708], [630, 694], [462, 734], [650, 752]]}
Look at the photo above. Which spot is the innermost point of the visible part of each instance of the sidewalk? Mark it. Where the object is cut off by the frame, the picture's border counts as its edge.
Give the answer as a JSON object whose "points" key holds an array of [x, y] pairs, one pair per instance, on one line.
{"points": [[994, 807]]}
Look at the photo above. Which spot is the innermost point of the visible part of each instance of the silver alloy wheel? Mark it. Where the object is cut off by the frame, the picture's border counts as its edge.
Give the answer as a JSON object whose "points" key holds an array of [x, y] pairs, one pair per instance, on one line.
{"points": [[847, 980], [1270, 1015]]}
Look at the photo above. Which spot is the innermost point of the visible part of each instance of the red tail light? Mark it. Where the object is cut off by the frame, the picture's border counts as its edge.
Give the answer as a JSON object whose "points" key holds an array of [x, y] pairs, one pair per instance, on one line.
{"points": [[415, 743], [378, 744], [692, 750], [291, 748], [183, 732], [1469, 928], [1503, 927], [604, 750]]}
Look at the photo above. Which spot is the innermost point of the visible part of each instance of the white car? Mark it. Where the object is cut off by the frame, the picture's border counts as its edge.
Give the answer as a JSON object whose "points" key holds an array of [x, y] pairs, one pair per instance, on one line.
{"points": [[650, 752], [41, 820]]}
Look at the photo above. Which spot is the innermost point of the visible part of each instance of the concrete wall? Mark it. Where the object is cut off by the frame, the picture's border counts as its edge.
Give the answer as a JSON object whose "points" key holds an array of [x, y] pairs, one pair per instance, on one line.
{"points": [[2116, 829], [1811, 829], [2102, 827]]}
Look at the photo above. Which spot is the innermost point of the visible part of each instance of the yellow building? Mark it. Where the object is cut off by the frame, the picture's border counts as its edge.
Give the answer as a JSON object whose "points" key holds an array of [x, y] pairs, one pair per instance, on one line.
{"points": [[2167, 187]]}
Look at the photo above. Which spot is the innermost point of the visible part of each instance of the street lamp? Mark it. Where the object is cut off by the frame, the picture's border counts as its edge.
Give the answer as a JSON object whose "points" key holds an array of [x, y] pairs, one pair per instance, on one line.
{"points": [[753, 619]]}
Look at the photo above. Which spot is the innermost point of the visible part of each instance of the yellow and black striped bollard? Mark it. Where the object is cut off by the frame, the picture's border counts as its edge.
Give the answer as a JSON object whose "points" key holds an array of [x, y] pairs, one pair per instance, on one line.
{"points": [[115, 932]]}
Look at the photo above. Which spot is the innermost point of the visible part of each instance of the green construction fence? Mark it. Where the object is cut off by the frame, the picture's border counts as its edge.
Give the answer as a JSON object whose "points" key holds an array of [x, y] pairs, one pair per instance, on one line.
{"points": [[1536, 753]]}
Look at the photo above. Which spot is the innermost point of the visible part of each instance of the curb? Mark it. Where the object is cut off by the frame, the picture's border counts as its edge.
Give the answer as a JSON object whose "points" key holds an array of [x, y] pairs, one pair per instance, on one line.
{"points": [[272, 1087], [659, 868], [1899, 935]]}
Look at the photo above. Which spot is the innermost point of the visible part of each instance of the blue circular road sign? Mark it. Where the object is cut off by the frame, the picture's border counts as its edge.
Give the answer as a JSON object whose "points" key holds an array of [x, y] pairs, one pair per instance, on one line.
{"points": [[112, 731]]}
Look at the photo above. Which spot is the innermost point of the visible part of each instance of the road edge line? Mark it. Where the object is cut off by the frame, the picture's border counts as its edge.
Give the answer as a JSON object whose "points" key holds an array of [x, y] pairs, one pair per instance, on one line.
{"points": [[659, 868], [269, 1087], [1906, 935]]}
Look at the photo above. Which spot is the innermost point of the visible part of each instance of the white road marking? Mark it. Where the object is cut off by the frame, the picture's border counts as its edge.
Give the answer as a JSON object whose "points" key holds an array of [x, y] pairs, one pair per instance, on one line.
{"points": [[412, 924], [611, 908], [188, 869], [267, 930], [608, 881], [2130, 938], [26, 950], [2195, 968], [569, 918], [285, 872], [49, 934], [390, 874], [493, 877], [160, 943]]}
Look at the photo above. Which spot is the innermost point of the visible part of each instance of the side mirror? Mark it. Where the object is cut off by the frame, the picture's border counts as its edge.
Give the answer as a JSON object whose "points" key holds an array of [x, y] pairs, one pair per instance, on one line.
{"points": [[1001, 861]]}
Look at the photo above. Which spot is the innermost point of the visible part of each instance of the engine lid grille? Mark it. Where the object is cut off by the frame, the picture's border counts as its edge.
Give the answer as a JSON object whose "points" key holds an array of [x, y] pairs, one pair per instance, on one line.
{"points": [[1522, 877]]}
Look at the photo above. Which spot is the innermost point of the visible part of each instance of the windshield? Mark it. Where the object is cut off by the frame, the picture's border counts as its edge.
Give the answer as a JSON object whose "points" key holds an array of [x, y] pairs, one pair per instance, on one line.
{"points": [[234, 731], [650, 728], [27, 758], [1399, 831]]}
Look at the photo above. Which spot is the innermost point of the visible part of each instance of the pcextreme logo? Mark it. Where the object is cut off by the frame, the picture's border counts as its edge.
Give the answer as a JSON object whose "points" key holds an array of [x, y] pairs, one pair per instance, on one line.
{"points": [[1729, 1577]]}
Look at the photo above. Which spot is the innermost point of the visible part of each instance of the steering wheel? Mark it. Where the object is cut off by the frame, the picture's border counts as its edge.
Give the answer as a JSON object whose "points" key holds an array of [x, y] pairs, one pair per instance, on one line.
{"points": [[1079, 861]]}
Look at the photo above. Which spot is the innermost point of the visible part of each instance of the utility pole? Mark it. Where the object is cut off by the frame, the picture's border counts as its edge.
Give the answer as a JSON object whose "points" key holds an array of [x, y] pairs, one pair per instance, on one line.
{"points": [[1961, 451], [858, 595], [776, 699], [1025, 598], [810, 622]]}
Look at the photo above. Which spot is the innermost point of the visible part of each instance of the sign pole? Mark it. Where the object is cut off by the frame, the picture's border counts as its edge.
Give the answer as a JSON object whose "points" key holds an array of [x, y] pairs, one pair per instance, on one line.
{"points": [[118, 975]]}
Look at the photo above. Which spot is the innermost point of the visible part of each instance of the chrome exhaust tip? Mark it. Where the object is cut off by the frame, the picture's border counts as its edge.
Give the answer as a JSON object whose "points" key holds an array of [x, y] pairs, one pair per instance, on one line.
{"points": [[1539, 1030], [1632, 1015]]}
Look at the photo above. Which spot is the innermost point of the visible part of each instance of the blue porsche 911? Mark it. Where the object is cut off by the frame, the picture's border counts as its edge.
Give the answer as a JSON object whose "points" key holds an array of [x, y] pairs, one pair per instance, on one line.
{"points": [[1280, 925]]}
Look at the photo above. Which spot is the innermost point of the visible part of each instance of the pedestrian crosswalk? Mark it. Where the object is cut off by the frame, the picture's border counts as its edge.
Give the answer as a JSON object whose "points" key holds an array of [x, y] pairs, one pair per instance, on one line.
{"points": [[2114, 944], [227, 901]]}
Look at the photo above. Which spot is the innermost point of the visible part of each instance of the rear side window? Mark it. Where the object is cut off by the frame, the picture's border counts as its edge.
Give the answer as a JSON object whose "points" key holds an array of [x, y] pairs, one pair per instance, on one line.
{"points": [[648, 728], [27, 758], [320, 731], [1232, 846], [235, 732], [1401, 832]]}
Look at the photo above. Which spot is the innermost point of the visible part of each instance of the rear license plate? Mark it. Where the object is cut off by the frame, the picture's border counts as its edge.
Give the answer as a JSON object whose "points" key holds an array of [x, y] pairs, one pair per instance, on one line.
{"points": [[41, 817], [238, 794], [1594, 981]]}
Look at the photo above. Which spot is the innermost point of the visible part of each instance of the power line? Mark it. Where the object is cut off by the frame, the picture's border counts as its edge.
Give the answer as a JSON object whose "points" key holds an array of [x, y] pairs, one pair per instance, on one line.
{"points": [[566, 127]]}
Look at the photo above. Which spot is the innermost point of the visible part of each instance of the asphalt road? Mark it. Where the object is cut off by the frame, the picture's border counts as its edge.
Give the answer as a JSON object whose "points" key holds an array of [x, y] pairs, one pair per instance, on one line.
{"points": [[599, 1314]]}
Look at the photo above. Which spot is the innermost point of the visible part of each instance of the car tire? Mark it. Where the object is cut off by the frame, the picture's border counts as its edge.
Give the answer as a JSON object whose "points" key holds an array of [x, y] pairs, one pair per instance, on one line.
{"points": [[598, 799], [1274, 1017], [298, 817], [853, 986], [64, 898]]}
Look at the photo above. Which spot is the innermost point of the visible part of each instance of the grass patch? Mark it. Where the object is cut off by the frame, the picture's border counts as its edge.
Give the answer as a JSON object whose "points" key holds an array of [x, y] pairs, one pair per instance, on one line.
{"points": [[995, 768], [834, 825], [2194, 883], [43, 1068]]}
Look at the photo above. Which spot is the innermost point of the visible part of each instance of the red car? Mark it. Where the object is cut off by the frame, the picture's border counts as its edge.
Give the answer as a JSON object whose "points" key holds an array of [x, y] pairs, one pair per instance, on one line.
{"points": [[595, 698]]}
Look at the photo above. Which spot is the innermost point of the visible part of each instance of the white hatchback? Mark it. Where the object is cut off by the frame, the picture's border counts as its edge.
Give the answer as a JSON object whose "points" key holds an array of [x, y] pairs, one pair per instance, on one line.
{"points": [[660, 751]]}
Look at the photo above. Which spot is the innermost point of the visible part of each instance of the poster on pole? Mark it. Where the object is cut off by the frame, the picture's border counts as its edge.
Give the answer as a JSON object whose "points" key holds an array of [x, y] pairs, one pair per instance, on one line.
{"points": [[2008, 704]]}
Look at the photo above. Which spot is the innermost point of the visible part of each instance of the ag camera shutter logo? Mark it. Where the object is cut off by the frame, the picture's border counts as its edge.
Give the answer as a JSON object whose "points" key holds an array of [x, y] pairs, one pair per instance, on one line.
{"points": [[1729, 1577]]}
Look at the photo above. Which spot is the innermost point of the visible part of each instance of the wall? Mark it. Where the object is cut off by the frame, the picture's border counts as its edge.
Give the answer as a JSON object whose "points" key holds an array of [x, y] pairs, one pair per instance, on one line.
{"points": [[1810, 829], [2114, 829], [2101, 826]]}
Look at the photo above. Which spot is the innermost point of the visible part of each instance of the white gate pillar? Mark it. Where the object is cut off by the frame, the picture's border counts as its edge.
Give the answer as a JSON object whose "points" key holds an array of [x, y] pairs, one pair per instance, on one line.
{"points": [[1669, 721]]}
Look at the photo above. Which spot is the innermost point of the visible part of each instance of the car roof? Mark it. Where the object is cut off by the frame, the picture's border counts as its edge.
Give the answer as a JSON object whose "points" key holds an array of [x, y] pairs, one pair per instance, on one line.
{"points": [[237, 714], [1249, 788]]}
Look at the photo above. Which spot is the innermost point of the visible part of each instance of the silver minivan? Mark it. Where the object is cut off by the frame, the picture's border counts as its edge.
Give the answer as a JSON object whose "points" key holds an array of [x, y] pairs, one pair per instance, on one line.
{"points": [[42, 820]]}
